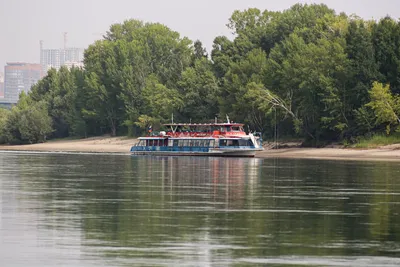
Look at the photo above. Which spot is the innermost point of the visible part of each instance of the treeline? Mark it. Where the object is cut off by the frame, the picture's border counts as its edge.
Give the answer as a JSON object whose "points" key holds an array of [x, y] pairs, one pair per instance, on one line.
{"points": [[305, 72]]}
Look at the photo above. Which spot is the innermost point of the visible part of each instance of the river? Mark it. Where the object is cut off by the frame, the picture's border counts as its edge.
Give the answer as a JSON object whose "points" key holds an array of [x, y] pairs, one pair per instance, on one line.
{"points": [[118, 210]]}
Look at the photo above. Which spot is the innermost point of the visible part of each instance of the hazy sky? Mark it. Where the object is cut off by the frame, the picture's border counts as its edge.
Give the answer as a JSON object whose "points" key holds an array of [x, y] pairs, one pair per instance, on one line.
{"points": [[25, 22]]}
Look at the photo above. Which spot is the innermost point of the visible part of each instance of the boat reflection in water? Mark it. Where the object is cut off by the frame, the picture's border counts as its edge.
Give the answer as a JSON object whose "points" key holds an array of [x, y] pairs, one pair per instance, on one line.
{"points": [[225, 179]]}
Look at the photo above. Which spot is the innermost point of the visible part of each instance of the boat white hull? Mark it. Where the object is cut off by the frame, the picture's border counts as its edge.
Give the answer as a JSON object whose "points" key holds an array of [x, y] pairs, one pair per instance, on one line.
{"points": [[210, 153]]}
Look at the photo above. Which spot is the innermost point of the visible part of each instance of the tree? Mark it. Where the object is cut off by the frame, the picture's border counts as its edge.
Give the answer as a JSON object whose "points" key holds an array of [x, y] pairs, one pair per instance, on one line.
{"points": [[363, 67], [4, 113], [118, 69], [312, 78], [160, 100], [386, 40], [35, 123], [199, 88], [252, 68], [385, 105], [199, 51], [28, 122]]}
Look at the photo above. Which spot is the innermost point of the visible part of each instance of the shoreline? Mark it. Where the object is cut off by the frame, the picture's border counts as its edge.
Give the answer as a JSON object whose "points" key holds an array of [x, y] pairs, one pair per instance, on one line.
{"points": [[122, 145]]}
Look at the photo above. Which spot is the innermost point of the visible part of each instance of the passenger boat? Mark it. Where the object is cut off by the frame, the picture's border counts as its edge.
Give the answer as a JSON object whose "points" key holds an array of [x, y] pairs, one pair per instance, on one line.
{"points": [[187, 139]]}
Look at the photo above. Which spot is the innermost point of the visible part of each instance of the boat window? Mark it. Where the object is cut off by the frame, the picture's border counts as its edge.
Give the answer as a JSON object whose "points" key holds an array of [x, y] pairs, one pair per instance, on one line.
{"points": [[211, 143], [185, 142], [235, 128], [234, 143], [228, 129], [245, 142], [172, 143], [223, 142], [180, 142], [230, 143], [175, 142]]}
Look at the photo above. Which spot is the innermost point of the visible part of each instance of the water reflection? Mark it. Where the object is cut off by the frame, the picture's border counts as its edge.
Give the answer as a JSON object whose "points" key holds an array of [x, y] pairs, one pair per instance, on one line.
{"points": [[189, 211]]}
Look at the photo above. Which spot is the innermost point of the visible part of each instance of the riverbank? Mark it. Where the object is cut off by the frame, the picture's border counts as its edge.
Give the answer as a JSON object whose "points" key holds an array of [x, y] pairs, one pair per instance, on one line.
{"points": [[88, 145], [386, 153], [122, 145]]}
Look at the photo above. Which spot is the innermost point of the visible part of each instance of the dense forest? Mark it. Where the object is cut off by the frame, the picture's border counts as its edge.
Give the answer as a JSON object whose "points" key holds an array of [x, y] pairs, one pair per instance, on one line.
{"points": [[306, 72]]}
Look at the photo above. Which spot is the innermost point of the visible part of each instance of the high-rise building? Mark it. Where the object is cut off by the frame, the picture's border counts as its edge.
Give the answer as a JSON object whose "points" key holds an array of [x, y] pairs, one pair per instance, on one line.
{"points": [[20, 77], [1, 85], [55, 58]]}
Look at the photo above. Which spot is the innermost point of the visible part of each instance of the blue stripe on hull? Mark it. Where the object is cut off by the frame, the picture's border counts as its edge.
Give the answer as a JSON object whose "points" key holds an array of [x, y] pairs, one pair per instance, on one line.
{"points": [[195, 151]]}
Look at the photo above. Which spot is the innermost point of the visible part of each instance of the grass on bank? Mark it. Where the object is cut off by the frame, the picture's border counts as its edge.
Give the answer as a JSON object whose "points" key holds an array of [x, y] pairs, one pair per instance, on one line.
{"points": [[377, 141]]}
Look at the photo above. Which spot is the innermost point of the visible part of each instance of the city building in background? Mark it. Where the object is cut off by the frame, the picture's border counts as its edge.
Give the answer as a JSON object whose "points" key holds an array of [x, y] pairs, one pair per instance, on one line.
{"points": [[1, 85], [55, 58], [20, 77]]}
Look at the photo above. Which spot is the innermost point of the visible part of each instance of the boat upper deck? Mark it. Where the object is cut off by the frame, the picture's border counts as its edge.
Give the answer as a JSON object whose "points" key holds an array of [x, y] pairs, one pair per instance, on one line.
{"points": [[182, 130]]}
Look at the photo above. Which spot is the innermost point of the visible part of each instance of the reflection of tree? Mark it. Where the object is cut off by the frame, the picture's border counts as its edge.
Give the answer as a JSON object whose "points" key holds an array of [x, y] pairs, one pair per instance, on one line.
{"points": [[384, 211], [143, 205]]}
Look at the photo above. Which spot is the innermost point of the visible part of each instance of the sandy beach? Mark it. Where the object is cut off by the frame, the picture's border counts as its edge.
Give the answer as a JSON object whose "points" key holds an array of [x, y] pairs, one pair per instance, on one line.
{"points": [[387, 153], [122, 145], [88, 145]]}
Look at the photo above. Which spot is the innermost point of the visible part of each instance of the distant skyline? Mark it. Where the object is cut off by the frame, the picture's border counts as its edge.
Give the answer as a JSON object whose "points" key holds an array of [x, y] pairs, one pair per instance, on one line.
{"points": [[25, 22]]}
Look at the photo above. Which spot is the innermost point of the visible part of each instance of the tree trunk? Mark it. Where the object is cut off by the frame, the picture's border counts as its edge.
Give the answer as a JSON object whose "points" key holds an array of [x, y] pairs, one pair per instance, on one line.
{"points": [[113, 129]]}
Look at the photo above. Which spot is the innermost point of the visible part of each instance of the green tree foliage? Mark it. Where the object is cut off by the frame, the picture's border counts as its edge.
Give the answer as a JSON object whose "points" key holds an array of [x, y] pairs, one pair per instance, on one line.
{"points": [[28, 122], [311, 77], [199, 89], [120, 66], [61, 91], [306, 71], [251, 68], [161, 101], [363, 68], [386, 41], [319, 64], [4, 113], [385, 105]]}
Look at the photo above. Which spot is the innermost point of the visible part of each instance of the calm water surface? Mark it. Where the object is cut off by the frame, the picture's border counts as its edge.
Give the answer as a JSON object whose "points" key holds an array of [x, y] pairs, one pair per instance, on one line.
{"points": [[109, 210]]}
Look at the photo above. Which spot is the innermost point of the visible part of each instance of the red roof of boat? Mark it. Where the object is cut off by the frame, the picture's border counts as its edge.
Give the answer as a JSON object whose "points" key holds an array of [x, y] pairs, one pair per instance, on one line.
{"points": [[204, 124]]}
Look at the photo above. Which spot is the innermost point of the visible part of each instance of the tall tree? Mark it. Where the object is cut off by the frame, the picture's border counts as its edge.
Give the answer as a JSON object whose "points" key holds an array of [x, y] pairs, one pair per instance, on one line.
{"points": [[386, 40], [362, 68], [385, 105], [199, 88]]}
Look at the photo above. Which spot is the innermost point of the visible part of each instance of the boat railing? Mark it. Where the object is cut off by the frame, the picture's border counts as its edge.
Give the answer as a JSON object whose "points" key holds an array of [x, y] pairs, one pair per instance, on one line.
{"points": [[169, 149]]}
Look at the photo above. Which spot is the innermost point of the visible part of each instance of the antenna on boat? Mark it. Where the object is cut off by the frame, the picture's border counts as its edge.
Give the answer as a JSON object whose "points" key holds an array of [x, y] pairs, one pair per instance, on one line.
{"points": [[172, 118], [216, 119], [227, 118]]}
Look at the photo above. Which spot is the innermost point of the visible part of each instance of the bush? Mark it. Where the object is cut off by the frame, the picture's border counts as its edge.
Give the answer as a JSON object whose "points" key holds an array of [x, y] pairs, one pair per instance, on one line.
{"points": [[4, 113], [27, 123], [378, 140]]}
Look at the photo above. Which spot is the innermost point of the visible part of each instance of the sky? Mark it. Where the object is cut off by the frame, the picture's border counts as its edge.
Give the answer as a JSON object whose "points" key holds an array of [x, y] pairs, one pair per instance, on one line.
{"points": [[25, 22]]}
